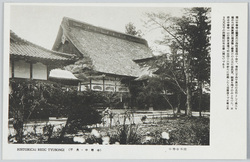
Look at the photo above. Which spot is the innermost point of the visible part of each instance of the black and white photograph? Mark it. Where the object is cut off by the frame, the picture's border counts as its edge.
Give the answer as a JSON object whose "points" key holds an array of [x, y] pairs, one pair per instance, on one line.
{"points": [[95, 75], [100, 81]]}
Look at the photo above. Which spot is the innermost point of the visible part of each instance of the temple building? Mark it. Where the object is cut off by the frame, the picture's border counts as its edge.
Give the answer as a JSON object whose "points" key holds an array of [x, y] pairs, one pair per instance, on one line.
{"points": [[33, 62], [107, 59]]}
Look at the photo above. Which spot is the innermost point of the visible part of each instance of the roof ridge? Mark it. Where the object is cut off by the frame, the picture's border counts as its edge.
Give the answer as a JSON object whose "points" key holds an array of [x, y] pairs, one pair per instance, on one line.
{"points": [[16, 37], [70, 22], [43, 48]]}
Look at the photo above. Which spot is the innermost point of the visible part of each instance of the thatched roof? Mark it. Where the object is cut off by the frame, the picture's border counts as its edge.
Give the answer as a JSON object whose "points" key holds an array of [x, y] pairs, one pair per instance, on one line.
{"points": [[20, 48], [110, 51]]}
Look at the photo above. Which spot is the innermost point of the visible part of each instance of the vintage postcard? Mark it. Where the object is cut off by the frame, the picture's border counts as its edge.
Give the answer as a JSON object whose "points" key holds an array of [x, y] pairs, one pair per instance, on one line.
{"points": [[125, 81]]}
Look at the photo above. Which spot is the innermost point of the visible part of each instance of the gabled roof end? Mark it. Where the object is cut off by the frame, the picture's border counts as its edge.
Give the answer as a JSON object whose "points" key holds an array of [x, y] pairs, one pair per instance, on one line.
{"points": [[69, 22]]}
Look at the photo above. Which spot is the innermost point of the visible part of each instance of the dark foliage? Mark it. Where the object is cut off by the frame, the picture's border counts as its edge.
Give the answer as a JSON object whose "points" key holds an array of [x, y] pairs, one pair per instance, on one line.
{"points": [[205, 102], [25, 98], [37, 100], [195, 131], [80, 111]]}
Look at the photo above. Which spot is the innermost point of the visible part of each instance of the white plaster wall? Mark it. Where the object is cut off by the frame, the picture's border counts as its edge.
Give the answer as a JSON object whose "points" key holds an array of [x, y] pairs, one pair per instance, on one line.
{"points": [[21, 69], [97, 81], [118, 83], [83, 88], [107, 83], [39, 71], [110, 82]]}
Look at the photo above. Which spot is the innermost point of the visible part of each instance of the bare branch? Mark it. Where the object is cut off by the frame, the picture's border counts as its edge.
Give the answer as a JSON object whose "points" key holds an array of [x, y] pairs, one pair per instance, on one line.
{"points": [[177, 83]]}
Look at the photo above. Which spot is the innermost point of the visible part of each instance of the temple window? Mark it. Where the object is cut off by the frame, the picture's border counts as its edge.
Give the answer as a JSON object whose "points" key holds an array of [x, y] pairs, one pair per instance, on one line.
{"points": [[110, 89], [97, 88]]}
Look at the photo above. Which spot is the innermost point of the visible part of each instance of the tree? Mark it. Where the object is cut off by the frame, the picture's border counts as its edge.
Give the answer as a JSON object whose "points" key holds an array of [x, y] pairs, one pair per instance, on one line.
{"points": [[171, 72], [187, 37], [131, 29], [175, 29], [201, 48], [169, 82]]}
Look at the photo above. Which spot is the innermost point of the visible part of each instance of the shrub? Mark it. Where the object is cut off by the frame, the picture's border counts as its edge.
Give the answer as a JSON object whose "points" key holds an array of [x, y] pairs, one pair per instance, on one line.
{"points": [[30, 99], [80, 111], [25, 98], [126, 134]]}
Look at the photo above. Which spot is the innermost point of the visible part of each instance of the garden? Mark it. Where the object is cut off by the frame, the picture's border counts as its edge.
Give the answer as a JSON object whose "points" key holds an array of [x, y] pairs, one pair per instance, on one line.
{"points": [[164, 131], [78, 122]]}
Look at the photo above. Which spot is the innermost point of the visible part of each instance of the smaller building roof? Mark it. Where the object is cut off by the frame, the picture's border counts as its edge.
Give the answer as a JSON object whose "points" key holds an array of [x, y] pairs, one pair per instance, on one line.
{"points": [[24, 48], [62, 74]]}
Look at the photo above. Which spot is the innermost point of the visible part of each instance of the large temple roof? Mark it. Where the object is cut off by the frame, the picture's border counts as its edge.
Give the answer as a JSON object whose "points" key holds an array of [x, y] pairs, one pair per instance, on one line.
{"points": [[110, 51]]}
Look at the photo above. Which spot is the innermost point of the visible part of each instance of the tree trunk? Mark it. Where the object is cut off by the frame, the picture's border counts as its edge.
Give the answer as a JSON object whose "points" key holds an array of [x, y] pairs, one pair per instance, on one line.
{"points": [[189, 97], [200, 96], [188, 85], [187, 62], [179, 103]]}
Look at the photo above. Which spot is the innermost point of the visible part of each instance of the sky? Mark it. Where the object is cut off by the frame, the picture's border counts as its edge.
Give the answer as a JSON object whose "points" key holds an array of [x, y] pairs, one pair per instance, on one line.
{"points": [[39, 24]]}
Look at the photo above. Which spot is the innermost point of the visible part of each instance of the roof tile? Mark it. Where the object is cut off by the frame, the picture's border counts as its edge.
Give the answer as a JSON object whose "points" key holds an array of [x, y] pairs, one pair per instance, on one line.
{"points": [[21, 47]]}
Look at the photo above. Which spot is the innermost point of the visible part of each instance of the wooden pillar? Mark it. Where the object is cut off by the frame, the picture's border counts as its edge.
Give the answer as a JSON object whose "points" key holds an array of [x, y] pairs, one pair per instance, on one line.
{"points": [[79, 87], [48, 70], [103, 83], [115, 84], [90, 84], [12, 68], [31, 70]]}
